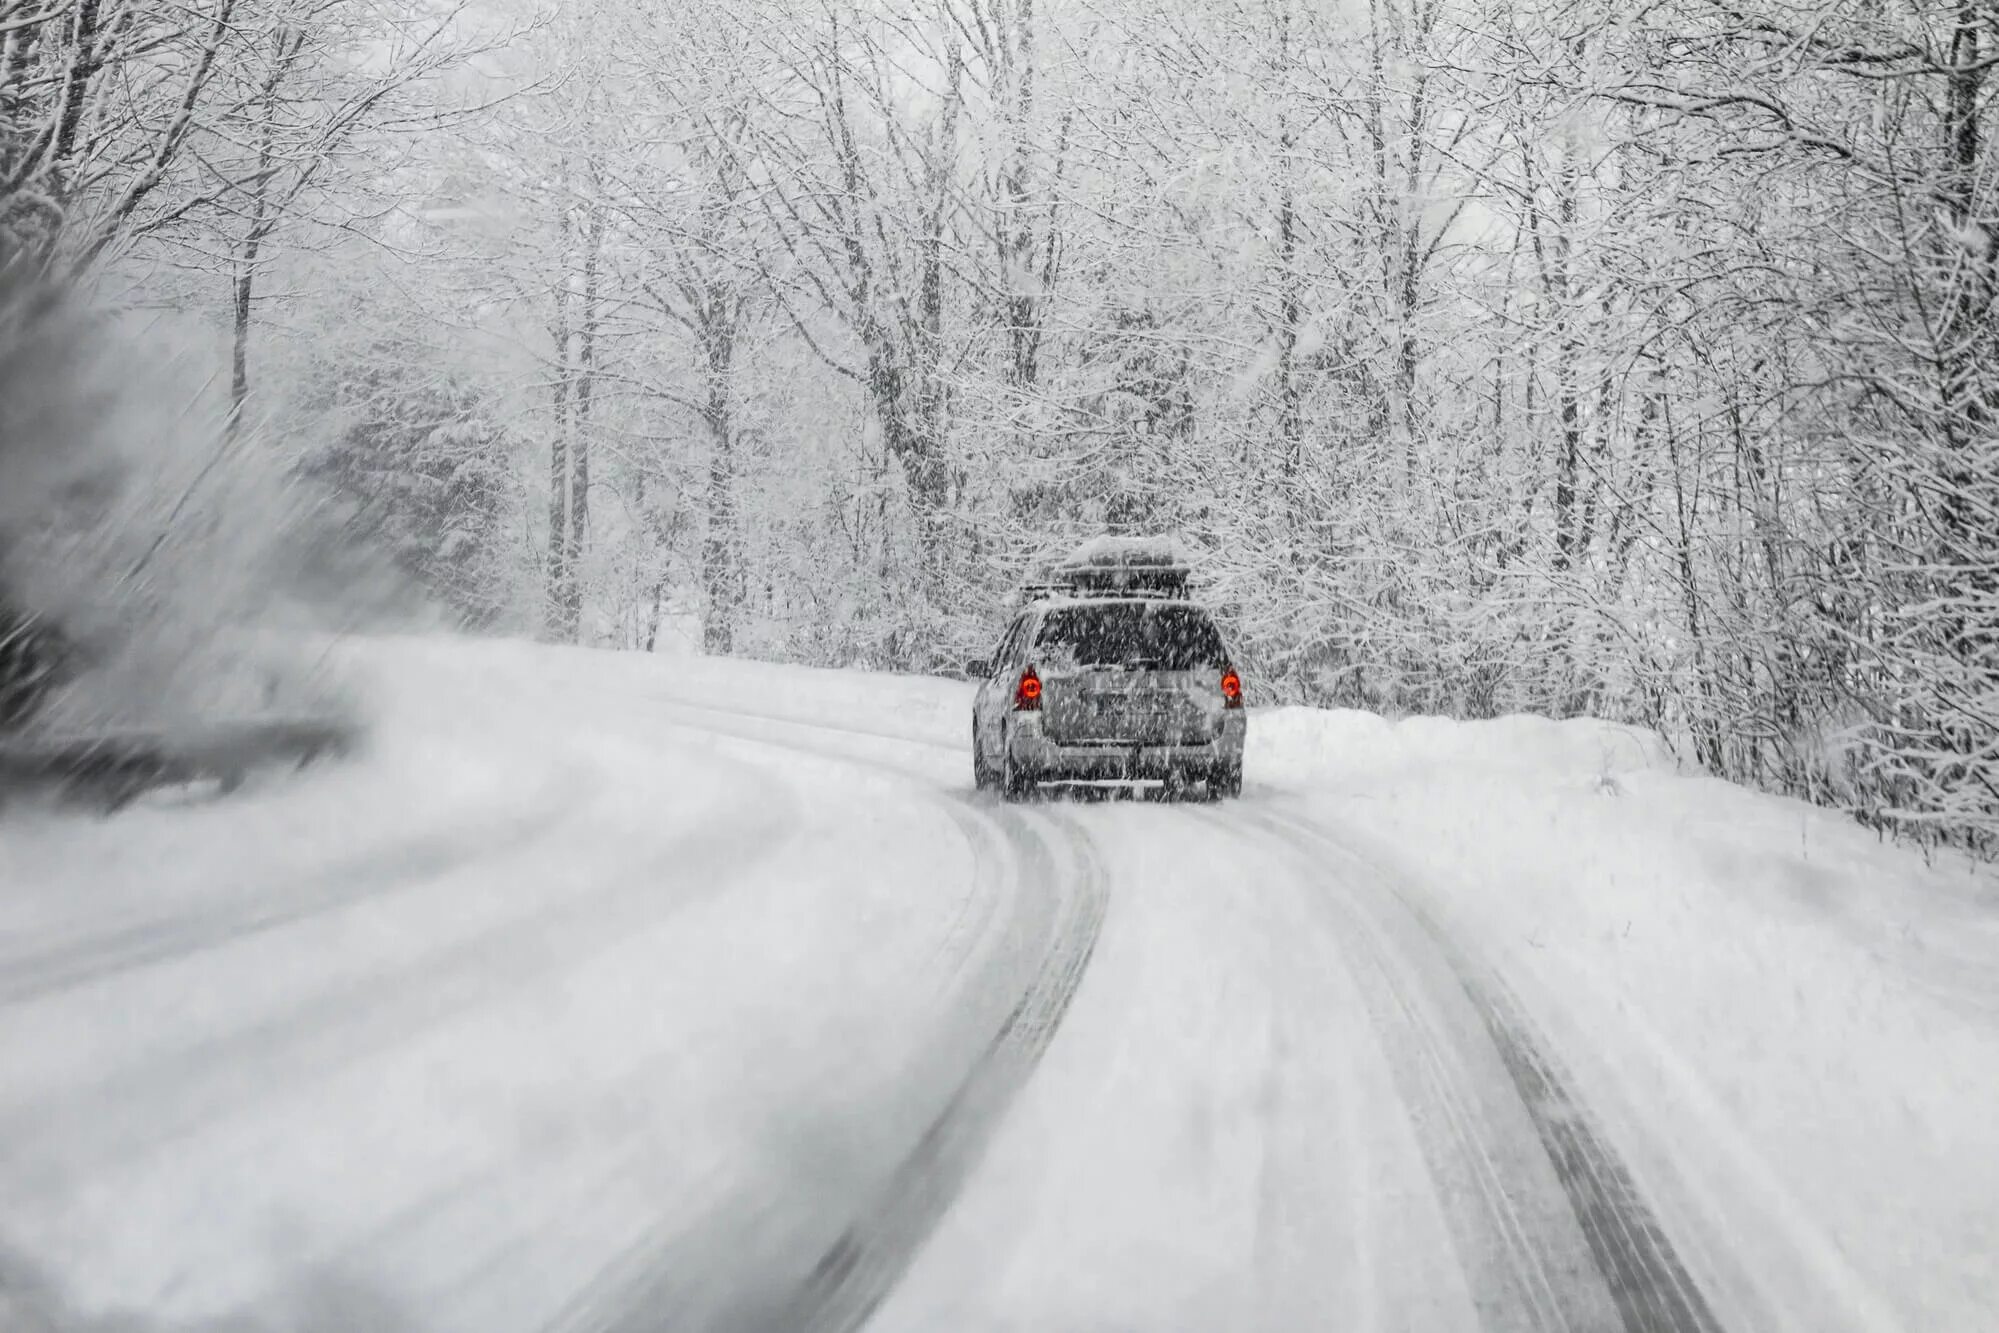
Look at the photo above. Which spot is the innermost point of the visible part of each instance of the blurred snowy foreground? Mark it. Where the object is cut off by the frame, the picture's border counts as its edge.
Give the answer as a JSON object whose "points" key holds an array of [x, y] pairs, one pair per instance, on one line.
{"points": [[613, 992]]}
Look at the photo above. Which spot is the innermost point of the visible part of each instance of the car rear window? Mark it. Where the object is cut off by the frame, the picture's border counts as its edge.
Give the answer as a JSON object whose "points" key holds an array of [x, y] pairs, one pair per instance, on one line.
{"points": [[1164, 637]]}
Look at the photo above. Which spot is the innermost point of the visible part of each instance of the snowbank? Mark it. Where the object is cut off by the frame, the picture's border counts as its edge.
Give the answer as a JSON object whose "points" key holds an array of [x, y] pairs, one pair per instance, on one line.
{"points": [[1791, 1026], [1344, 749]]}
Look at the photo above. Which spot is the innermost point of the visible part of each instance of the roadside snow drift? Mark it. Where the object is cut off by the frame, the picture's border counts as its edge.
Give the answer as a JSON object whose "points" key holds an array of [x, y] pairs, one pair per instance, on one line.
{"points": [[1794, 1026]]}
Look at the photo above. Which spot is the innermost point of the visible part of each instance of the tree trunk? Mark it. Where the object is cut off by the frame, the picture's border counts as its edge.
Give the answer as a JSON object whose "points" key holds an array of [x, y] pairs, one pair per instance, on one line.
{"points": [[559, 568], [1290, 309], [261, 223], [1017, 237], [244, 283], [84, 62], [579, 448], [1568, 408], [1968, 336], [720, 583], [931, 478]]}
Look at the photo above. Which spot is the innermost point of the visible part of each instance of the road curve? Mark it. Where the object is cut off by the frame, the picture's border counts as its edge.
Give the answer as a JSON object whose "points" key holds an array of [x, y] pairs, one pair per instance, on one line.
{"points": [[746, 1019]]}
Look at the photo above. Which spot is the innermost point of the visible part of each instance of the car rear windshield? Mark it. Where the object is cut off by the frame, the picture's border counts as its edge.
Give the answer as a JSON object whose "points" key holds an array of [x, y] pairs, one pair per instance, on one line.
{"points": [[1162, 637]]}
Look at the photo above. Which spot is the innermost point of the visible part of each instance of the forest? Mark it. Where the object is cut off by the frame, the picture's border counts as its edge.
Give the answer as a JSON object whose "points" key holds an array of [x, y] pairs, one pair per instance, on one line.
{"points": [[1563, 357]]}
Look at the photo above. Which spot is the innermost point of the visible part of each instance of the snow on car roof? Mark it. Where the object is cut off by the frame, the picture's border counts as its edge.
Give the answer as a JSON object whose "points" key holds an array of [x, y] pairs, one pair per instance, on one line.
{"points": [[1064, 601], [1129, 551]]}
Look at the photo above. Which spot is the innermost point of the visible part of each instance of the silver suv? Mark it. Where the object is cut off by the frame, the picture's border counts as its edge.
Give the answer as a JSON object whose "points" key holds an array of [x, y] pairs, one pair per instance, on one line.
{"points": [[1109, 676]]}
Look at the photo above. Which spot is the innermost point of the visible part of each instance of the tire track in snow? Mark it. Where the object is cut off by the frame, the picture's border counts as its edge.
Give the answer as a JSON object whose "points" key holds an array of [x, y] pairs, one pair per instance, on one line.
{"points": [[177, 1091], [104, 954], [863, 1265], [1525, 1264], [33, 974], [1651, 1288], [834, 1284], [664, 1277]]}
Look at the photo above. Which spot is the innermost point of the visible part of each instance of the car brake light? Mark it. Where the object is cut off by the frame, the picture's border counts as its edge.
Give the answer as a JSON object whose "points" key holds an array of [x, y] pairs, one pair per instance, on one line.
{"points": [[1231, 689], [1027, 694]]}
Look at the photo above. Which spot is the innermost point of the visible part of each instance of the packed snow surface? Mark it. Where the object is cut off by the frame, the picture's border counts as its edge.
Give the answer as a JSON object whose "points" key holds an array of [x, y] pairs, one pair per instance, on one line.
{"points": [[606, 991]]}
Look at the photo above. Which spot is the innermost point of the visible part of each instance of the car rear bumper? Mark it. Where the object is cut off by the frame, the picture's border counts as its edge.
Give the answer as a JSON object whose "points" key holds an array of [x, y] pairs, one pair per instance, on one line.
{"points": [[1039, 759]]}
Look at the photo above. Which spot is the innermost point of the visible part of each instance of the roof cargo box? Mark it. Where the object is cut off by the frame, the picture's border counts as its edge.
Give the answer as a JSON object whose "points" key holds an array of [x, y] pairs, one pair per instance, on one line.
{"points": [[1116, 567]]}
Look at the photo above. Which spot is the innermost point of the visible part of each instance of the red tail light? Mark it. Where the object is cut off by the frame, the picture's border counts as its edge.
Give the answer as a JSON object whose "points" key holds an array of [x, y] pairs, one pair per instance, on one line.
{"points": [[1231, 689], [1027, 694]]}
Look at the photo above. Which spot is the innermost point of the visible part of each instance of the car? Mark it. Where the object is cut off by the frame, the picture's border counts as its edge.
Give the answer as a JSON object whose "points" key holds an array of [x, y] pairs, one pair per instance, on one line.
{"points": [[1110, 674]]}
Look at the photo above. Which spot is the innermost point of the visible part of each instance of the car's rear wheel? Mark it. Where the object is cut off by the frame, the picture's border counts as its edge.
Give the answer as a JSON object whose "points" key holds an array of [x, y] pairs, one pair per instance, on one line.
{"points": [[1014, 785], [1225, 781], [982, 773]]}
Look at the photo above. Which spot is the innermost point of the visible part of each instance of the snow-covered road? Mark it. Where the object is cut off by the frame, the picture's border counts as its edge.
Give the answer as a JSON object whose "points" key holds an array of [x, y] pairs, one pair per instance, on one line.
{"points": [[607, 992]]}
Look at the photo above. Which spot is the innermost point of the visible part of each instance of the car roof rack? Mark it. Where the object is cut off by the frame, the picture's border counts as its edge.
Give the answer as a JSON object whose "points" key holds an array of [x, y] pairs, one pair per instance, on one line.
{"points": [[1135, 567]]}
